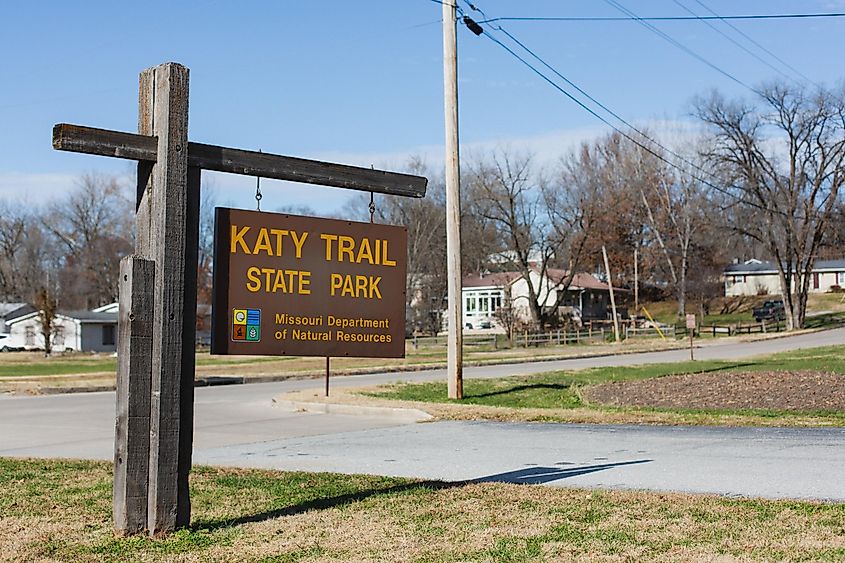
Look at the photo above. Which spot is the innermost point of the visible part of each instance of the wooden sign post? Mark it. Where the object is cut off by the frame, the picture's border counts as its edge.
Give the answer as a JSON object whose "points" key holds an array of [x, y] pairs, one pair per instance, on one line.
{"points": [[158, 294], [691, 329]]}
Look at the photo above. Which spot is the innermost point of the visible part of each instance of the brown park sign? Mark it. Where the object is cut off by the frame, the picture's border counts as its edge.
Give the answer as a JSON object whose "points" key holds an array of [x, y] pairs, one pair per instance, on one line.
{"points": [[287, 285]]}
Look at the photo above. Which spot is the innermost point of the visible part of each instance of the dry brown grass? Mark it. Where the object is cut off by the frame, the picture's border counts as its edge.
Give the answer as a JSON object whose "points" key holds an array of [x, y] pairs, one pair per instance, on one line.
{"points": [[264, 368], [251, 515]]}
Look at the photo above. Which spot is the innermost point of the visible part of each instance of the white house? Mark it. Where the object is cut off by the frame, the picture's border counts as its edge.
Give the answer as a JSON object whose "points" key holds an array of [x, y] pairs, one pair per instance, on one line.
{"points": [[9, 311], [587, 298], [755, 277], [110, 308], [81, 331]]}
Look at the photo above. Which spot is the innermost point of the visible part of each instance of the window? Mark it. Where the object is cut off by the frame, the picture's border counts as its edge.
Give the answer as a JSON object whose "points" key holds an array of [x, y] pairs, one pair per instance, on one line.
{"points": [[108, 335], [29, 335], [840, 278], [484, 304], [59, 337]]}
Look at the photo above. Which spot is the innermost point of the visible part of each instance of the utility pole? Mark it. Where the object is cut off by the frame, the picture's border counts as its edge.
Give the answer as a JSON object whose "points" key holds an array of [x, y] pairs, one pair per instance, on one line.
{"points": [[612, 300], [453, 202], [636, 280]]}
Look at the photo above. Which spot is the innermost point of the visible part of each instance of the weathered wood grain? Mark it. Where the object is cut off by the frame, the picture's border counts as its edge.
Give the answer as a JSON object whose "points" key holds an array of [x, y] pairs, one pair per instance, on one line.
{"points": [[132, 421], [166, 241], [142, 147]]}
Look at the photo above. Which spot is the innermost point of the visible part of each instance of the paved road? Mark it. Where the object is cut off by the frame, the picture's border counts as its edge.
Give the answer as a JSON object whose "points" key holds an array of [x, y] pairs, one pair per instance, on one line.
{"points": [[237, 425], [774, 463]]}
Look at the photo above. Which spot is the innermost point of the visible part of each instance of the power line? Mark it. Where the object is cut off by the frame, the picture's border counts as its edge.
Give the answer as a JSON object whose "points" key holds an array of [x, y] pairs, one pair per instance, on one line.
{"points": [[680, 45], [455, 2], [758, 45], [663, 18], [598, 103], [614, 114], [603, 120], [731, 39]]}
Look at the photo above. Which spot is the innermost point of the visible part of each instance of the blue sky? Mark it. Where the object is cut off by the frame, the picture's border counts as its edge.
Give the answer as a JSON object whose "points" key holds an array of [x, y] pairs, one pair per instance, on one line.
{"points": [[361, 82]]}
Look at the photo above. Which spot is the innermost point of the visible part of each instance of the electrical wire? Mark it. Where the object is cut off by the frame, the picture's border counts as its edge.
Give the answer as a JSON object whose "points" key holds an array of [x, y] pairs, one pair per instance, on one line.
{"points": [[457, 8], [599, 117], [681, 46], [663, 18], [597, 102], [758, 45], [614, 114], [731, 39]]}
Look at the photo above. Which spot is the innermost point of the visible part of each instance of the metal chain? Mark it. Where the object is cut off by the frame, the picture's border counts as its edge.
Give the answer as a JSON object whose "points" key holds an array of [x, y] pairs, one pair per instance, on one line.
{"points": [[258, 195], [372, 200]]}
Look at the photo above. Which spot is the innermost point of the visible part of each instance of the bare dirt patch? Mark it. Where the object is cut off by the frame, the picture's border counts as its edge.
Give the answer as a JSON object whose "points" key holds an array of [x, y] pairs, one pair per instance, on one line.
{"points": [[795, 391]]}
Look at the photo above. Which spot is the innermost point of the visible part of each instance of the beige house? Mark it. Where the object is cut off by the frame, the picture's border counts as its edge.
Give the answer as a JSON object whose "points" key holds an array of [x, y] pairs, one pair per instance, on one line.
{"points": [[755, 277], [587, 298]]}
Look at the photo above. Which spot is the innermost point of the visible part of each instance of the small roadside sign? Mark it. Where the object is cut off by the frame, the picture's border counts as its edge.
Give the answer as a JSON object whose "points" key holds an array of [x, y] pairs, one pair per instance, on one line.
{"points": [[691, 329]]}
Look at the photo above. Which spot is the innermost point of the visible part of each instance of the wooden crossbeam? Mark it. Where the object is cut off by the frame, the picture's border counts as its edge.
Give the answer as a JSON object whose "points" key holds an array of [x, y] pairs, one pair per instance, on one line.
{"points": [[103, 142]]}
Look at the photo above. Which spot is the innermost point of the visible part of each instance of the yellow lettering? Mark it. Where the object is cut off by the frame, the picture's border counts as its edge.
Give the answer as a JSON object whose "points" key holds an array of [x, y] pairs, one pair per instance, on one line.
{"points": [[347, 287], [365, 252], [279, 284], [267, 273], [262, 242], [304, 281], [345, 246], [374, 287], [298, 242], [254, 283], [384, 259], [360, 285], [336, 282], [329, 239], [238, 239], [280, 233]]}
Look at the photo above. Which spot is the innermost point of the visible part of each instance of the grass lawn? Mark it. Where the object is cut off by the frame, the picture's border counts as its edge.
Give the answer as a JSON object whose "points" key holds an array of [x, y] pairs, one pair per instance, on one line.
{"points": [[34, 364], [21, 364], [61, 510], [666, 311], [559, 396]]}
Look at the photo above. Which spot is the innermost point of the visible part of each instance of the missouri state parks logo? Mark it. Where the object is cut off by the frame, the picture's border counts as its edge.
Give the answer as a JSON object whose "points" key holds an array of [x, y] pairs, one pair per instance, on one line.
{"points": [[246, 325]]}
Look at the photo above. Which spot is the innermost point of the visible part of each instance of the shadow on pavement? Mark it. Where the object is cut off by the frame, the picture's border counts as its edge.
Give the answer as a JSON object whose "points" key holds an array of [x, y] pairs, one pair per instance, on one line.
{"points": [[540, 475]]}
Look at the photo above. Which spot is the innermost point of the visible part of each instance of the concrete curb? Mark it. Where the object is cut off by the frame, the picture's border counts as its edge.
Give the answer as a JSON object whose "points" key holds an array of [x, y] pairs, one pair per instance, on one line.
{"points": [[393, 413]]}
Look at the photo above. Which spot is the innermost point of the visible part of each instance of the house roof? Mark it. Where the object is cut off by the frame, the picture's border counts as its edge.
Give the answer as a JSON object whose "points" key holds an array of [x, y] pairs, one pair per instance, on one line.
{"points": [[498, 279], [109, 307], [754, 266], [91, 316], [581, 280], [83, 317], [11, 310]]}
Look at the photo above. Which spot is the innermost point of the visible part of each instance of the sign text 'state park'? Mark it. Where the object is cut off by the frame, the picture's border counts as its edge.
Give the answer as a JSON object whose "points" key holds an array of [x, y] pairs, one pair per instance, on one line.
{"points": [[303, 286]]}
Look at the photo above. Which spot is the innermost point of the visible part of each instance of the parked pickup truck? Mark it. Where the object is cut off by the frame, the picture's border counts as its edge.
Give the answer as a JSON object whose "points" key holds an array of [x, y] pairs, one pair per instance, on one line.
{"points": [[769, 311]]}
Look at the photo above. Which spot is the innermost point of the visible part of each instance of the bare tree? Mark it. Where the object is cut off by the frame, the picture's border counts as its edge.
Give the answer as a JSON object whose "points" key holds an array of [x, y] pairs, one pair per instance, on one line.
{"points": [[17, 269], [541, 225], [425, 219], [783, 160], [46, 302], [677, 208], [93, 227]]}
